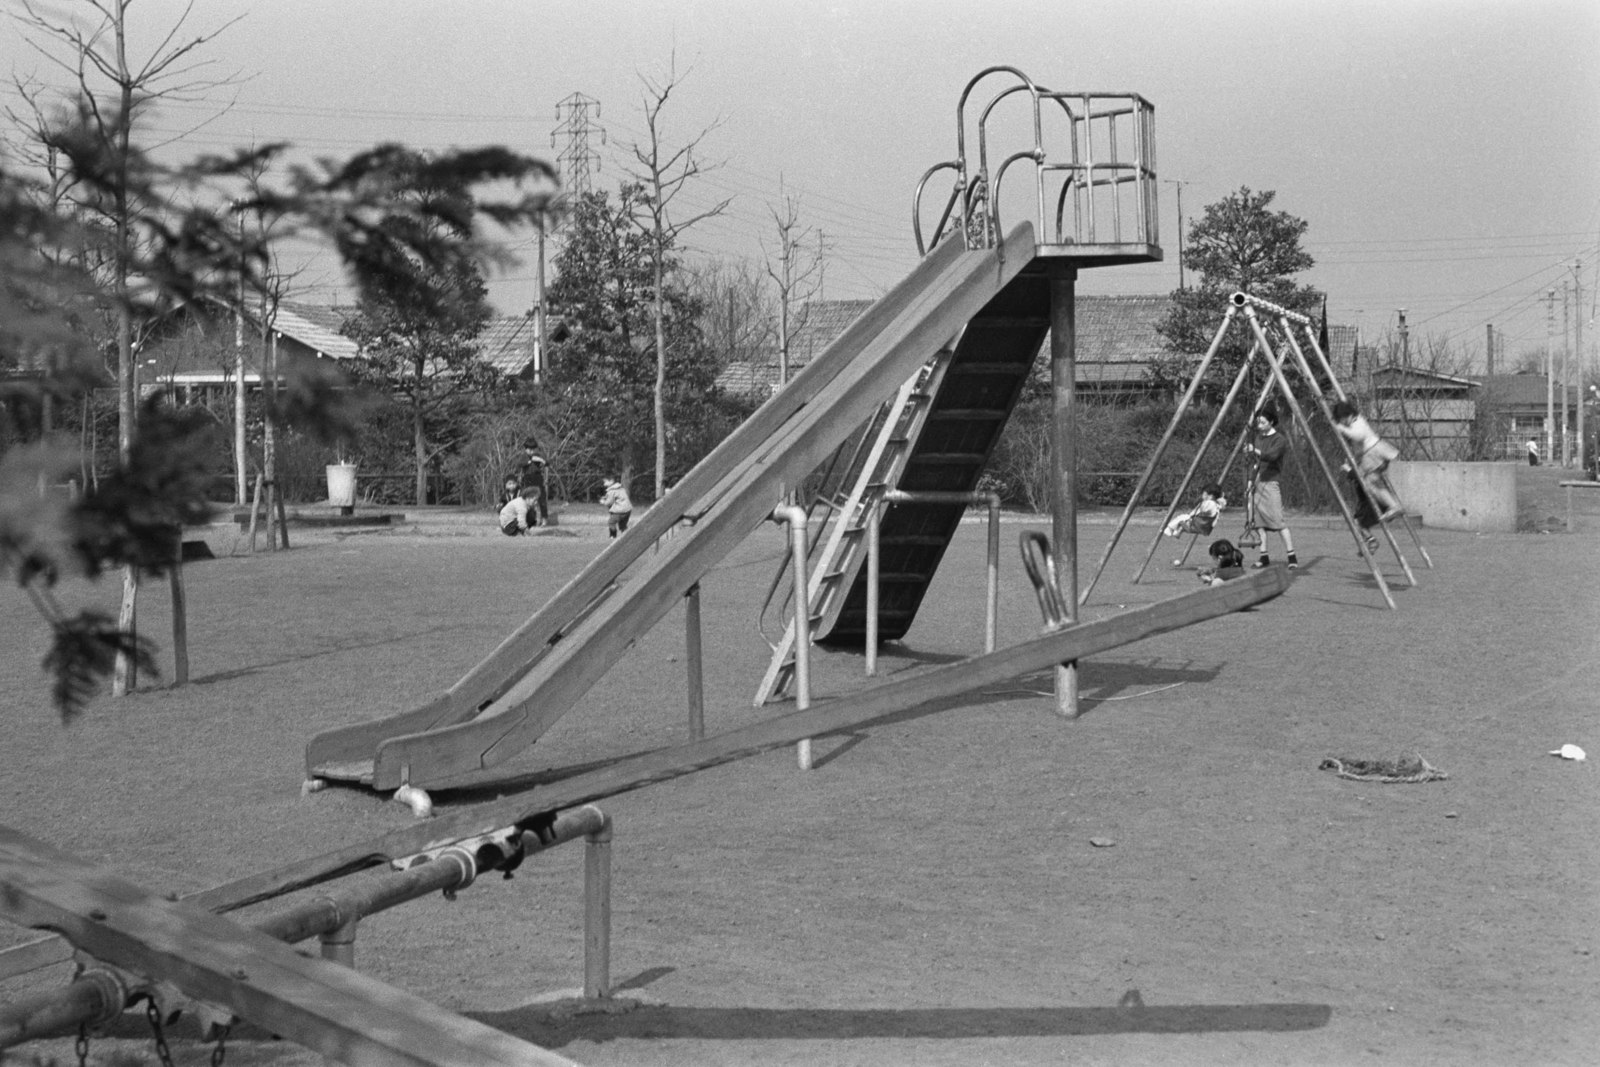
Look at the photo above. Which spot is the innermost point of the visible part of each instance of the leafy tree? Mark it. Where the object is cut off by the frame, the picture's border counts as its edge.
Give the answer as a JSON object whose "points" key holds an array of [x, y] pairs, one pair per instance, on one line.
{"points": [[604, 376], [1237, 244], [417, 327], [179, 242], [111, 190]]}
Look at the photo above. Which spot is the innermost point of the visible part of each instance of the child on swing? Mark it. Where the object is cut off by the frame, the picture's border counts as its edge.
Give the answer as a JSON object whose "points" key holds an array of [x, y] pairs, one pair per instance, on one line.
{"points": [[1203, 518]]}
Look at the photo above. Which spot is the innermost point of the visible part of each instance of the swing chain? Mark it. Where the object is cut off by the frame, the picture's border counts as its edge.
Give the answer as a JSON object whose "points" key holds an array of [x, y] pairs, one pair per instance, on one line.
{"points": [[221, 1049], [153, 1013], [81, 1046]]}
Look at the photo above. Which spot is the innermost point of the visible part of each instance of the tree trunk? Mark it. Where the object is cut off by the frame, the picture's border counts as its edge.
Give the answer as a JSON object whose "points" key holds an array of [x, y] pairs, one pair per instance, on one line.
{"points": [[123, 679], [419, 438], [661, 383]]}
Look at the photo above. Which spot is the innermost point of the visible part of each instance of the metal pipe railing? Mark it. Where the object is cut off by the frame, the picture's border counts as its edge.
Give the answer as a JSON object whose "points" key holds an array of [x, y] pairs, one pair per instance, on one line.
{"points": [[99, 995], [992, 600], [94, 998], [796, 519]]}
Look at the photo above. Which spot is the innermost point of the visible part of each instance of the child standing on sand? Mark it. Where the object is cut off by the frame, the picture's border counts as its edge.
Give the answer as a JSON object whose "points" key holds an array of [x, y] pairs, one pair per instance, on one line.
{"points": [[619, 508]]}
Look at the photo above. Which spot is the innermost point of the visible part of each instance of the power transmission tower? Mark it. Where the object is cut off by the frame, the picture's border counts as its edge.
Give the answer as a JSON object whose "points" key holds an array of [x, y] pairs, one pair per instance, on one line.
{"points": [[575, 160], [573, 117]]}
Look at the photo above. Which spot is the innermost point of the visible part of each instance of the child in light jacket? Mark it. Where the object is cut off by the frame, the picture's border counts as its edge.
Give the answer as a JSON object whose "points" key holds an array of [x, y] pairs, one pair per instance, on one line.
{"points": [[619, 507]]}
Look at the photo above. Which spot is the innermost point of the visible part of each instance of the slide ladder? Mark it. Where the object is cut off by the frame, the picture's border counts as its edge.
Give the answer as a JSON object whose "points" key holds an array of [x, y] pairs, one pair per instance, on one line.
{"points": [[941, 444], [876, 468]]}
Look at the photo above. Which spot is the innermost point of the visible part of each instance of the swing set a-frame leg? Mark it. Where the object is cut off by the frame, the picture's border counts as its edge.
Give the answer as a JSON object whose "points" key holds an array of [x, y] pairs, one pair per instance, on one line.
{"points": [[1405, 520], [1338, 391], [1300, 421], [1205, 445], [1166, 439], [1349, 456]]}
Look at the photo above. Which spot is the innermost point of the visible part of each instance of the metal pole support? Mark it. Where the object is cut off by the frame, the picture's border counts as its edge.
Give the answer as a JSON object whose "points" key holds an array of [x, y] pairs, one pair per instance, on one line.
{"points": [[339, 944], [597, 912], [875, 570], [795, 516], [692, 652]]}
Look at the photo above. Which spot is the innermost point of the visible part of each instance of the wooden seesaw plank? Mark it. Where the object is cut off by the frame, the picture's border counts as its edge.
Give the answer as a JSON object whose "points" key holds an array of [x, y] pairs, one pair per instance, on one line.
{"points": [[326, 1007], [848, 712]]}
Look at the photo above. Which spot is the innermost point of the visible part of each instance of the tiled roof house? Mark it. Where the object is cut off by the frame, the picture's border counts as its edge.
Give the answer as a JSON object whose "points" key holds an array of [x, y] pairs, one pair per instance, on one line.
{"points": [[820, 322], [201, 355], [509, 344], [1116, 339]]}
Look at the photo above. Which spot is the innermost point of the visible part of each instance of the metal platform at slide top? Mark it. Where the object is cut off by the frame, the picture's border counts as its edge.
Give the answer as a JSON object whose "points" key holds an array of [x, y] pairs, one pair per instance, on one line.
{"points": [[539, 672]]}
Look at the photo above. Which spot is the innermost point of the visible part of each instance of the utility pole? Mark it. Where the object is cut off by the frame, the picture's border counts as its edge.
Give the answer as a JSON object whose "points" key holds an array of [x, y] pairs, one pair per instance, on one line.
{"points": [[1583, 364], [1488, 349], [1180, 183], [541, 332], [1549, 376], [1405, 341], [1566, 373]]}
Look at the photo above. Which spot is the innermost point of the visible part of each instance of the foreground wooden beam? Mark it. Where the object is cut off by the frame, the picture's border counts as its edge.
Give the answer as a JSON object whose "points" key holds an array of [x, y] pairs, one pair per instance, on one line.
{"points": [[328, 1008]]}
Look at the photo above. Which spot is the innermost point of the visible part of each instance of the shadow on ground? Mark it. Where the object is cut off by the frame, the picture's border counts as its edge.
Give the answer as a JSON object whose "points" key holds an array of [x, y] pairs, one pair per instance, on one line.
{"points": [[562, 1023]]}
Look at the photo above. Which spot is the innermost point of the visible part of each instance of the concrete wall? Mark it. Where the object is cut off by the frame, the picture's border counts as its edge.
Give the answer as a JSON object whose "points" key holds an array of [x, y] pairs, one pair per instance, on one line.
{"points": [[1459, 496]]}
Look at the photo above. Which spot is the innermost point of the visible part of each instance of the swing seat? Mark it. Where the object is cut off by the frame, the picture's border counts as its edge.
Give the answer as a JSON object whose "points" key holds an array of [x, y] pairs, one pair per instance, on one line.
{"points": [[1250, 538]]}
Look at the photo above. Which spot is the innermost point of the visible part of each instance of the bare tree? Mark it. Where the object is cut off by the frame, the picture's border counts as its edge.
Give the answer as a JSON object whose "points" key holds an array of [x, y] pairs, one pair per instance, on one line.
{"points": [[114, 91], [737, 319], [664, 173], [796, 269]]}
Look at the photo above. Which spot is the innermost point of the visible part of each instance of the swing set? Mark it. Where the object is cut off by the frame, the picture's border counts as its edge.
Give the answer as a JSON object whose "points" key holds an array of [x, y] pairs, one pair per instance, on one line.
{"points": [[1287, 355]]}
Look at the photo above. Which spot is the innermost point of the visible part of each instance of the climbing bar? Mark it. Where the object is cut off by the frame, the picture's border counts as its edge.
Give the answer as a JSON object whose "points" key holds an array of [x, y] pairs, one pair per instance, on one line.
{"points": [[1246, 300]]}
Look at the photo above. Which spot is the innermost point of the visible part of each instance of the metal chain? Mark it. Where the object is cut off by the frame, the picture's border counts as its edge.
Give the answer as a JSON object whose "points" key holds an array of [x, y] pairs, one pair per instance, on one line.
{"points": [[81, 1046], [153, 1013], [221, 1049]]}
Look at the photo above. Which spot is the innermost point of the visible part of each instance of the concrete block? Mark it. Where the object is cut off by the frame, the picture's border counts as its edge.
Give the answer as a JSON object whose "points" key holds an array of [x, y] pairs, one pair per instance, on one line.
{"points": [[1481, 497]]}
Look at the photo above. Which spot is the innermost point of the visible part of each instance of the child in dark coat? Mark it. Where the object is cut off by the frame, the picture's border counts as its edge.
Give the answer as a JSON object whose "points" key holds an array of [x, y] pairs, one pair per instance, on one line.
{"points": [[1227, 562]]}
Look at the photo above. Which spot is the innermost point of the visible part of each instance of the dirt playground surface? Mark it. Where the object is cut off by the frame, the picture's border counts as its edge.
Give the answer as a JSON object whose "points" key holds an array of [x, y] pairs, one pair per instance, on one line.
{"points": [[1168, 879]]}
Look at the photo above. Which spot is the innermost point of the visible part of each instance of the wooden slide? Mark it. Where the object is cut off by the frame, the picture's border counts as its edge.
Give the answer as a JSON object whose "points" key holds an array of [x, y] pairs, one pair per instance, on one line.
{"points": [[538, 673]]}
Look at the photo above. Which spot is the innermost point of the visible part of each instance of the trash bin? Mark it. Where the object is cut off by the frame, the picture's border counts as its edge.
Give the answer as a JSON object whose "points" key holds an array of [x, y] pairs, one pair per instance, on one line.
{"points": [[342, 485]]}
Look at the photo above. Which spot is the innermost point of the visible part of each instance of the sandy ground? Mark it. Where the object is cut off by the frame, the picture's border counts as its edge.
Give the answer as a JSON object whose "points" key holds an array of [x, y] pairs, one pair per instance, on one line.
{"points": [[933, 893]]}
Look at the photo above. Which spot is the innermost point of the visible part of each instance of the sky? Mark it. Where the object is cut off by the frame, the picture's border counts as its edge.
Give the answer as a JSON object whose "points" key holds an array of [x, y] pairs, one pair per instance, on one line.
{"points": [[1445, 153]]}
